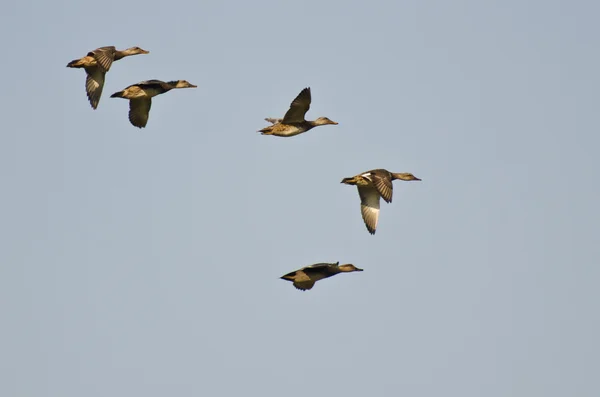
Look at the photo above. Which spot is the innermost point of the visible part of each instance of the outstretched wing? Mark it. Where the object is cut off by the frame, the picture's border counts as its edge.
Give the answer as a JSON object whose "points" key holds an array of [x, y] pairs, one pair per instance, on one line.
{"points": [[150, 83], [369, 206], [304, 285], [94, 83], [298, 108], [104, 56], [300, 279], [139, 111], [383, 185], [318, 270]]}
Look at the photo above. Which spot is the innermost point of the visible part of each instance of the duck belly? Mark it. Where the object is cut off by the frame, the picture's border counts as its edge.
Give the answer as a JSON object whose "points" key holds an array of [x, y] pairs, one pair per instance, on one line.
{"points": [[289, 130]]}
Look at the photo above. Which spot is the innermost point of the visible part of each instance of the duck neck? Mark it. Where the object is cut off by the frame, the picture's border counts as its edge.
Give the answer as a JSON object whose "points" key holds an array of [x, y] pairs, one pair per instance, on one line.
{"points": [[121, 54], [400, 175]]}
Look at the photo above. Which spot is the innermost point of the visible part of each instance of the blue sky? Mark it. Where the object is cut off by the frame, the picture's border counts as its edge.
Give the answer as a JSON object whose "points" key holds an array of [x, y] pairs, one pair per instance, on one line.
{"points": [[146, 262]]}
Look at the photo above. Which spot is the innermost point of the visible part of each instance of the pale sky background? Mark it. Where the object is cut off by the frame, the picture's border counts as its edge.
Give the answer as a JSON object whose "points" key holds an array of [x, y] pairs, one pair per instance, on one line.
{"points": [[146, 262]]}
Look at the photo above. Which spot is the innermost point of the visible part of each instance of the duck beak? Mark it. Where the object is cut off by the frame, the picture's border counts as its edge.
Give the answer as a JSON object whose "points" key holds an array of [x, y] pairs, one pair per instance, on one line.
{"points": [[145, 52], [193, 86], [359, 270], [417, 179]]}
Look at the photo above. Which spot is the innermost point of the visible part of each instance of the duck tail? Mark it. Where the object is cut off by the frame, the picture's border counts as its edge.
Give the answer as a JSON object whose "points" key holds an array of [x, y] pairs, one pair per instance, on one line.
{"points": [[118, 94], [266, 131], [76, 63]]}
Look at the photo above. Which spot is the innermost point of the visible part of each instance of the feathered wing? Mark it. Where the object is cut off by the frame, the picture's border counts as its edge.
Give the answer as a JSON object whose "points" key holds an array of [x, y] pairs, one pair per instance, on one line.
{"points": [[148, 84], [318, 266], [304, 284], [369, 206], [383, 185], [139, 111], [298, 108], [319, 271], [300, 279], [94, 83], [104, 56], [273, 120]]}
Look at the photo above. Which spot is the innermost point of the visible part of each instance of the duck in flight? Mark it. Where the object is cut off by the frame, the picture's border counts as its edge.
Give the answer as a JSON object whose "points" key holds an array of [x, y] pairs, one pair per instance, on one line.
{"points": [[293, 123], [305, 278], [96, 64], [371, 186], [140, 97]]}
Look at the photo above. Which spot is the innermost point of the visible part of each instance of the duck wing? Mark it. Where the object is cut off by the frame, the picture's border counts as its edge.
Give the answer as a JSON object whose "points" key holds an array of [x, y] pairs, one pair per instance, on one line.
{"points": [[383, 184], [94, 83], [319, 269], [151, 84], [139, 111], [304, 285], [369, 206], [298, 108], [300, 279], [104, 56]]}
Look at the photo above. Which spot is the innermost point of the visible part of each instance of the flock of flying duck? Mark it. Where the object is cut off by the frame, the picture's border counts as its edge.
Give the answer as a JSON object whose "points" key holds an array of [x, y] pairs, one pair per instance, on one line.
{"points": [[372, 185]]}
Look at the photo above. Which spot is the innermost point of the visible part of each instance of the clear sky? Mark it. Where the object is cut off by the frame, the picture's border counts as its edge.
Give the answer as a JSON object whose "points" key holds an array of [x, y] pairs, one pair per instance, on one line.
{"points": [[147, 262]]}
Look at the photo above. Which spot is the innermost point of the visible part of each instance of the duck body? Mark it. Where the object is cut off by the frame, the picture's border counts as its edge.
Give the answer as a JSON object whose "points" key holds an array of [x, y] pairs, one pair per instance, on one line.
{"points": [[140, 97], [293, 123], [287, 130], [145, 89], [371, 186], [305, 278], [96, 64]]}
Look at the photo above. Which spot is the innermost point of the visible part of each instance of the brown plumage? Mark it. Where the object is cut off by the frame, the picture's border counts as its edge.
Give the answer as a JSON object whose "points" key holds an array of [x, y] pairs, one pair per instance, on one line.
{"points": [[140, 97], [293, 123], [96, 64], [372, 185], [305, 278]]}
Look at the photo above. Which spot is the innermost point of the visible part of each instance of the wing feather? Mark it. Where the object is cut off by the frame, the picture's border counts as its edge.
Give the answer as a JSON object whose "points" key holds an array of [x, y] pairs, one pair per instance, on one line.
{"points": [[94, 83], [369, 206], [139, 111], [104, 56], [298, 108]]}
